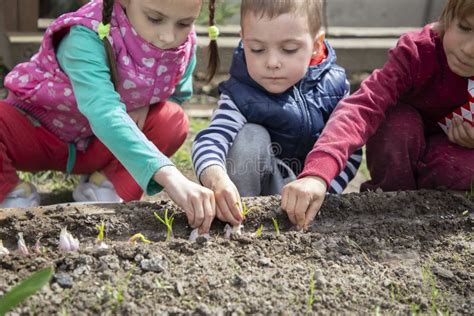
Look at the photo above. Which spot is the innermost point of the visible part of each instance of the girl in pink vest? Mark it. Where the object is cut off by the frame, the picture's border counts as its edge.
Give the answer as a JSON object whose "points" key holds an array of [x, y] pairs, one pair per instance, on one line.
{"points": [[101, 98]]}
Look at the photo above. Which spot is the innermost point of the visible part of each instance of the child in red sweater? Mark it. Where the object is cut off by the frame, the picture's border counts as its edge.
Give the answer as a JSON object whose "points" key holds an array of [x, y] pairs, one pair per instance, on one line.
{"points": [[396, 113]]}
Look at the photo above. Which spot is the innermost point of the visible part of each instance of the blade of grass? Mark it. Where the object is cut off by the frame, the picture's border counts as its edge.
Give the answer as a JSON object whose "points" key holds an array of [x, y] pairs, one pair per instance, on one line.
{"points": [[25, 289]]}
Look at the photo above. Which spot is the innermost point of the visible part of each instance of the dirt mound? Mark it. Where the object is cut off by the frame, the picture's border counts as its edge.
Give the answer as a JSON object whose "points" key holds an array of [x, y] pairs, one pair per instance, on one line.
{"points": [[389, 252]]}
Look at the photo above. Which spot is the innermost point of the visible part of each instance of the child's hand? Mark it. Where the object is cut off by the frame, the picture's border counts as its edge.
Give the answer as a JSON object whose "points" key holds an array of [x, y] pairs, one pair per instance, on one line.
{"points": [[228, 207], [461, 133], [139, 116], [302, 199], [197, 201]]}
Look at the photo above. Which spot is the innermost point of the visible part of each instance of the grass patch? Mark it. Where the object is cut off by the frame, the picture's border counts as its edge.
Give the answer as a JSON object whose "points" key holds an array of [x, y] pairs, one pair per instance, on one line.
{"points": [[182, 158], [436, 296]]}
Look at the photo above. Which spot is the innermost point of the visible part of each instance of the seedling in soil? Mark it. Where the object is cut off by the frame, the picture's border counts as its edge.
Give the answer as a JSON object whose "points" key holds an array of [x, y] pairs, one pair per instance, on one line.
{"points": [[168, 222], [101, 236], [352, 243], [39, 250], [245, 210], [275, 224], [259, 231], [311, 297], [195, 235], [22, 248], [3, 251], [137, 237], [377, 311], [232, 230], [25, 289], [471, 194], [429, 281], [394, 293], [414, 308], [67, 242], [117, 292]]}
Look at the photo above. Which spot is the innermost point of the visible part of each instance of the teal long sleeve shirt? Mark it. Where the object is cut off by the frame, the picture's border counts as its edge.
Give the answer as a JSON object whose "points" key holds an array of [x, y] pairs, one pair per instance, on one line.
{"points": [[82, 57]]}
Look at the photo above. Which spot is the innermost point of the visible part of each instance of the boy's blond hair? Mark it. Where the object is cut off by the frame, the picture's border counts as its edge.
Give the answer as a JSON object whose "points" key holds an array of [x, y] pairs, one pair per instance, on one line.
{"points": [[273, 8], [453, 9]]}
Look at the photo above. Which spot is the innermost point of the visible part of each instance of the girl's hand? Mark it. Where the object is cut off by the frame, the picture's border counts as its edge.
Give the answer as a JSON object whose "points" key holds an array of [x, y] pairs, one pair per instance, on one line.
{"points": [[228, 205], [197, 201], [139, 116], [461, 133], [302, 199]]}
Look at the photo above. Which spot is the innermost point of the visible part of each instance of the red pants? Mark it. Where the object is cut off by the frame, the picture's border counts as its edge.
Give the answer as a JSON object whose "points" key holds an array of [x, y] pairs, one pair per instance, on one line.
{"points": [[400, 157], [26, 147]]}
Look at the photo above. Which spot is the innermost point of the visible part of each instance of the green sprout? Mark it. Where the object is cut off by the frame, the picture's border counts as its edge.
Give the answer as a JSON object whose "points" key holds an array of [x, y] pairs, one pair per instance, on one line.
{"points": [[311, 297], [25, 289], [140, 237], [470, 194], [377, 311], [245, 210], [168, 222], [259, 231], [101, 234], [414, 308], [394, 293], [472, 189], [429, 282], [117, 292], [275, 224]]}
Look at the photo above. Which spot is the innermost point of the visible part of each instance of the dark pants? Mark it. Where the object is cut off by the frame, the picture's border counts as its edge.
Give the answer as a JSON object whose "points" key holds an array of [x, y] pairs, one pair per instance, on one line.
{"points": [[401, 157]]}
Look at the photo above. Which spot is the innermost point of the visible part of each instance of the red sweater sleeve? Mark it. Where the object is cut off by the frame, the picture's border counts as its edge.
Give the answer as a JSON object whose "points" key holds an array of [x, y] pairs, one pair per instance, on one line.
{"points": [[357, 117]]}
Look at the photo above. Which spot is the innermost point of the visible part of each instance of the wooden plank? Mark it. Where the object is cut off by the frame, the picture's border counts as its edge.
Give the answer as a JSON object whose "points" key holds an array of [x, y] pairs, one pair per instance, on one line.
{"points": [[10, 15], [67, 209], [28, 15]]}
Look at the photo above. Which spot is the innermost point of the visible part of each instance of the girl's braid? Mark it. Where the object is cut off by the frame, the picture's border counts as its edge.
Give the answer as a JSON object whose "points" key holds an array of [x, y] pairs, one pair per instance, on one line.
{"points": [[213, 50], [107, 8]]}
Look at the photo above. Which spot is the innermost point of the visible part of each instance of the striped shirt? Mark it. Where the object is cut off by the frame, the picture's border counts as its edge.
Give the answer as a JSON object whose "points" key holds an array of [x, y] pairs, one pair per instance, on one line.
{"points": [[213, 143]]}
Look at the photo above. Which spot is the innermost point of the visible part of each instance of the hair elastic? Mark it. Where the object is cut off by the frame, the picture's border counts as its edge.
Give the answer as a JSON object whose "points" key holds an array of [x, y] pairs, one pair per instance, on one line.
{"points": [[103, 30], [213, 32]]}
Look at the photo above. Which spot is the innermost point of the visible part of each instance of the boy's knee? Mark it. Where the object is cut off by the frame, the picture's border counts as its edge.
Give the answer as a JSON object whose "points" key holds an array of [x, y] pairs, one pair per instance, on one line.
{"points": [[253, 140], [251, 149]]}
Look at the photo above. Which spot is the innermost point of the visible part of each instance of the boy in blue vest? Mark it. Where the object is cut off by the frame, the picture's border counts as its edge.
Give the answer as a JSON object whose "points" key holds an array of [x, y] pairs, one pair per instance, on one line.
{"points": [[283, 86]]}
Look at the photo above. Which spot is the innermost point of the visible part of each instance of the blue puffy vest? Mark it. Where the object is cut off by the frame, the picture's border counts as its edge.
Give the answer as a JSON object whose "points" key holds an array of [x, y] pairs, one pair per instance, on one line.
{"points": [[296, 117]]}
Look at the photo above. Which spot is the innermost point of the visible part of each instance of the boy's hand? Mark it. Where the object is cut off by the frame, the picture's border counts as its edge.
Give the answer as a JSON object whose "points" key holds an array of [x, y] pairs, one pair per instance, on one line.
{"points": [[139, 116], [228, 206], [302, 199], [461, 133], [197, 201]]}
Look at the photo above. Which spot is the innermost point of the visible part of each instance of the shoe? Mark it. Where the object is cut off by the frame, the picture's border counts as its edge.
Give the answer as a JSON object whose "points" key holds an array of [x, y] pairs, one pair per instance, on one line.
{"points": [[95, 188], [23, 195]]}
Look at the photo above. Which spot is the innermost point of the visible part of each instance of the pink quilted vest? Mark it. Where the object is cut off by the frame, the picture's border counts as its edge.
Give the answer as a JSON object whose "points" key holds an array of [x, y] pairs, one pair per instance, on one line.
{"points": [[147, 74]]}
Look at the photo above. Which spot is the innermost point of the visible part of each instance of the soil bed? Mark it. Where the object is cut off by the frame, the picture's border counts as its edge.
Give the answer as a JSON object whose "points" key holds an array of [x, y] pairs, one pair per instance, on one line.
{"points": [[368, 252]]}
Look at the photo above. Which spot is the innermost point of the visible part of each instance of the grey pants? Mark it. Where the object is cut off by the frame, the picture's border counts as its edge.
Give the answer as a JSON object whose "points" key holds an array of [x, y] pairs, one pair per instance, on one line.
{"points": [[253, 167]]}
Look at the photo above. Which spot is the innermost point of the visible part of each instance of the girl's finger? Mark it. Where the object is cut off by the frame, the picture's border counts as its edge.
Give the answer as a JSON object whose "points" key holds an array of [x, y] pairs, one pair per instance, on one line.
{"points": [[234, 207], [301, 207], [209, 215], [198, 213], [312, 212], [462, 132], [284, 198], [291, 207], [226, 215]]}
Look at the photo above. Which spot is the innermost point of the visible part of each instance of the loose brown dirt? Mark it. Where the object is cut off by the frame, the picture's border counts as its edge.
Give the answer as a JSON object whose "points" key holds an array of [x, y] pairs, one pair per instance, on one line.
{"points": [[402, 252]]}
